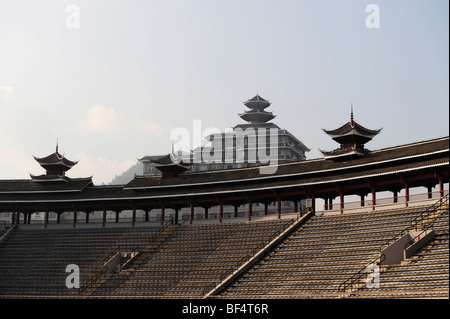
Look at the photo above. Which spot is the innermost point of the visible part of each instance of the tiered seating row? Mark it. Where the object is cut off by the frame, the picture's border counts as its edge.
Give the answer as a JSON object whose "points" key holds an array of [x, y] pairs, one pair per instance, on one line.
{"points": [[425, 275], [192, 259], [320, 255], [33, 262]]}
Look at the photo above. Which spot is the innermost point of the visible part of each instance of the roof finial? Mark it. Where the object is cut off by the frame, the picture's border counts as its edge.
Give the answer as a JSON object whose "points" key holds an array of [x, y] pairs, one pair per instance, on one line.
{"points": [[351, 114], [56, 145]]}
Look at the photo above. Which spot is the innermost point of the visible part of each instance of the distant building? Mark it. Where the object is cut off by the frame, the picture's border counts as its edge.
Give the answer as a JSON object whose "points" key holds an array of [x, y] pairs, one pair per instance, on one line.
{"points": [[243, 146]]}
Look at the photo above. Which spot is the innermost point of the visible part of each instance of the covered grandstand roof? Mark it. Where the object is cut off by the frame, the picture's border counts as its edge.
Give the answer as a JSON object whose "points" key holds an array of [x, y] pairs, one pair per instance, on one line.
{"points": [[395, 161]]}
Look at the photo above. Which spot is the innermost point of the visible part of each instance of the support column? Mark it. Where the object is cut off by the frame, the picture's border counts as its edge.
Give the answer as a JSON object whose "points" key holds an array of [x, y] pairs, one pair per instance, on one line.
{"points": [[296, 206], [104, 218], [250, 208], [278, 207], [441, 188], [46, 218], [430, 192], [313, 204], [177, 212], [146, 214], [206, 212], [266, 209], [221, 212], [341, 205], [87, 217], [75, 213], [191, 219], [236, 208], [163, 212], [325, 206], [133, 217], [374, 198], [58, 217], [395, 196], [406, 194], [117, 216], [362, 200]]}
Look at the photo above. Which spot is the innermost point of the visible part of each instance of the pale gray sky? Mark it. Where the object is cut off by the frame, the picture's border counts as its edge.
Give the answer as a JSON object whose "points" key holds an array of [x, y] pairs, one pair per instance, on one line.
{"points": [[112, 89]]}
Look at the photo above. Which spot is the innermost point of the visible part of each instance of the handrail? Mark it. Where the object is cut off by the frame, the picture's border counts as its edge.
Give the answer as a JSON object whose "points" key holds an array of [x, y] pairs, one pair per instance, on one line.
{"points": [[93, 280], [343, 286], [413, 240], [135, 248], [416, 220], [250, 255], [8, 226]]}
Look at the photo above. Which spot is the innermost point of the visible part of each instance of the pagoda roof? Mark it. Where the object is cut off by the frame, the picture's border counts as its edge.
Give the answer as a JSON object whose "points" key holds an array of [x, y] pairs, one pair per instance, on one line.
{"points": [[27, 186], [352, 128], [257, 102], [55, 162], [352, 133], [150, 158], [414, 158], [257, 116], [171, 165], [344, 152]]}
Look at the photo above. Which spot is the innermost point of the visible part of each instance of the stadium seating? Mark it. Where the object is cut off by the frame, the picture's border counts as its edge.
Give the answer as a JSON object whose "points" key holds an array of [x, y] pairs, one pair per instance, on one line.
{"points": [[320, 255], [188, 261], [33, 262], [425, 275], [192, 259]]}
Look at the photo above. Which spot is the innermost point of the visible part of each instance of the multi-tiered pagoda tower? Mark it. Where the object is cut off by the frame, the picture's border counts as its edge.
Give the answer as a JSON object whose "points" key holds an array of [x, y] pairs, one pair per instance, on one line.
{"points": [[289, 148], [55, 165], [257, 113], [352, 137]]}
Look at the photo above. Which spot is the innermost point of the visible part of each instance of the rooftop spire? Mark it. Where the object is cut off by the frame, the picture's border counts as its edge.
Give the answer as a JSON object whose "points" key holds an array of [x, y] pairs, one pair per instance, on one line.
{"points": [[351, 114], [56, 145]]}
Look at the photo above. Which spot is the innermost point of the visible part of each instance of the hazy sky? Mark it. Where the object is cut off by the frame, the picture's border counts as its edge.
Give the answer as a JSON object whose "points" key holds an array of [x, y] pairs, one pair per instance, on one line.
{"points": [[112, 85]]}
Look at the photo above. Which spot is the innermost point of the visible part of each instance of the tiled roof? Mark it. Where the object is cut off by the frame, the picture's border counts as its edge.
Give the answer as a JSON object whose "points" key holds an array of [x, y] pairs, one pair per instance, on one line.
{"points": [[391, 161], [28, 186]]}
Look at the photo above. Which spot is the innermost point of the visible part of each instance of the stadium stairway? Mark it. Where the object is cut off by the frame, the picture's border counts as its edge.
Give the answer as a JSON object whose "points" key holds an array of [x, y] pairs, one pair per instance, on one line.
{"points": [[191, 259], [424, 275], [310, 261], [33, 261], [320, 255]]}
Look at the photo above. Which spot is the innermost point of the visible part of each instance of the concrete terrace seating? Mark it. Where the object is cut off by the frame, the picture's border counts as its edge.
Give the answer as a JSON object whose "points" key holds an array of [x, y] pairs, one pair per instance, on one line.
{"points": [[33, 262], [191, 260], [425, 275], [320, 255]]}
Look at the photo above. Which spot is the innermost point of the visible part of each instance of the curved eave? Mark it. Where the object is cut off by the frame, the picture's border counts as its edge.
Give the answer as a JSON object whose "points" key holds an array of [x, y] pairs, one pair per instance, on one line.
{"points": [[261, 188], [331, 155], [257, 117], [350, 128], [257, 104], [55, 159], [46, 178]]}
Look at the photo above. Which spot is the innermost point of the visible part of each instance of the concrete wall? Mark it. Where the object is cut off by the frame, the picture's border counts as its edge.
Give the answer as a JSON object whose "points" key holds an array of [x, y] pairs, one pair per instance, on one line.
{"points": [[396, 252]]}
